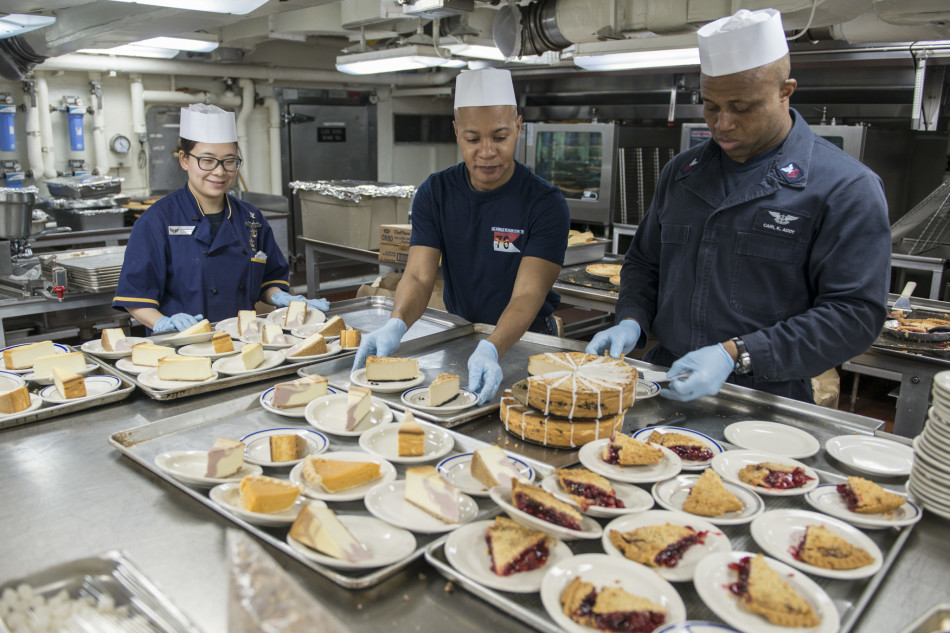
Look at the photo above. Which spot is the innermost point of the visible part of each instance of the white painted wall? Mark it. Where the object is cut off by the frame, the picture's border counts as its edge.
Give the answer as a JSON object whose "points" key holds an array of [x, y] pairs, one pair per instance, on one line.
{"points": [[411, 163]]}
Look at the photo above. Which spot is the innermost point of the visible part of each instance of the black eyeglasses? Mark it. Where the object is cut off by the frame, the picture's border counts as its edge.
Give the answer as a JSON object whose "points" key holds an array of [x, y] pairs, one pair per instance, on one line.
{"points": [[209, 163]]}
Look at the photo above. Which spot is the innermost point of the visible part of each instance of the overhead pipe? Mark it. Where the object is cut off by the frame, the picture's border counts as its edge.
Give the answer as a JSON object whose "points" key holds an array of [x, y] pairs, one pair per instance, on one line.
{"points": [[184, 98], [247, 107], [273, 133], [46, 128], [34, 141], [99, 148]]}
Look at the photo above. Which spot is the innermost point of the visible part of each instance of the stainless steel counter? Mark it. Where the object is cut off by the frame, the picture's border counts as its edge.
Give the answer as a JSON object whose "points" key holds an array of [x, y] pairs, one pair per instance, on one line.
{"points": [[67, 494]]}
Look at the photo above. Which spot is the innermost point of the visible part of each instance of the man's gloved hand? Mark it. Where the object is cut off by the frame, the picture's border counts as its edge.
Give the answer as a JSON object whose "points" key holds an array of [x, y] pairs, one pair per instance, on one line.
{"points": [[176, 322], [382, 342], [705, 370], [620, 339], [484, 372], [282, 299]]}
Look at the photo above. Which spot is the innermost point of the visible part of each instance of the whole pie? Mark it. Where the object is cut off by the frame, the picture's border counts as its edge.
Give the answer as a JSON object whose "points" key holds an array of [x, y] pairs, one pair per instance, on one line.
{"points": [[866, 497], [823, 548], [709, 497], [587, 488], [542, 504], [514, 549], [610, 608], [687, 447], [773, 475], [623, 450], [657, 545], [760, 589], [604, 270]]}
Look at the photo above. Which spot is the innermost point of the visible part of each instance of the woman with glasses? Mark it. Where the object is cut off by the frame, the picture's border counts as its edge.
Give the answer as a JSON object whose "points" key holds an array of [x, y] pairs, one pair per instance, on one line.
{"points": [[198, 252]]}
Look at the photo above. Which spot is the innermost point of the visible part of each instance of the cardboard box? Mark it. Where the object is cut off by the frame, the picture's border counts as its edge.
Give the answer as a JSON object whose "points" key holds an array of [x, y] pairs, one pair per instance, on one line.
{"points": [[393, 254], [347, 223], [397, 234]]}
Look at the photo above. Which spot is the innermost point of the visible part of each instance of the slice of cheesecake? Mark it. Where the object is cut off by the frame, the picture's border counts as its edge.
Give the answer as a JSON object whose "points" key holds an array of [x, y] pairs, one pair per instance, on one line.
{"points": [[299, 392], [273, 334], [411, 439], [148, 354], [187, 368], [23, 356], [336, 475], [222, 343], [321, 529], [267, 494], [73, 361], [114, 340], [296, 314], [427, 490], [225, 458], [391, 369], [493, 468], [443, 390], [286, 448], [350, 338], [313, 345], [200, 327], [247, 323], [14, 401], [358, 403], [333, 327], [252, 356], [68, 384]]}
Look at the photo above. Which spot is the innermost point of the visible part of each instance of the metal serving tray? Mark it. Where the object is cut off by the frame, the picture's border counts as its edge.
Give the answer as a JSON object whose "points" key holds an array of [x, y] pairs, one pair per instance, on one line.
{"points": [[583, 253], [52, 410], [114, 575], [850, 597], [934, 620], [199, 429]]}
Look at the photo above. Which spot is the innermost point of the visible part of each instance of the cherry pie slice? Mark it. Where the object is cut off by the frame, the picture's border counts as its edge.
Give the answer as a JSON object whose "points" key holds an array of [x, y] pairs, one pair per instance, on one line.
{"points": [[542, 504], [775, 476], [688, 448], [823, 548], [626, 451], [866, 497], [588, 489], [514, 549], [657, 545], [709, 497], [760, 589], [610, 608]]}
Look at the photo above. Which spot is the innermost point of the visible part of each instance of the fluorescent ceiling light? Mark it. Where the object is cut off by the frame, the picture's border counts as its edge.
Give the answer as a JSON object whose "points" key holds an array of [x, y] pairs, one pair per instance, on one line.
{"points": [[394, 60], [237, 7], [179, 43], [19, 23], [639, 59], [130, 50], [476, 50]]}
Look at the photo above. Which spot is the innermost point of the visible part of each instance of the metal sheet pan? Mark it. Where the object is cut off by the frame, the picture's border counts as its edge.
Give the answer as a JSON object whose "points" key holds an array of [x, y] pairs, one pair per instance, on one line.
{"points": [[583, 253], [114, 575], [199, 429], [849, 597], [47, 410]]}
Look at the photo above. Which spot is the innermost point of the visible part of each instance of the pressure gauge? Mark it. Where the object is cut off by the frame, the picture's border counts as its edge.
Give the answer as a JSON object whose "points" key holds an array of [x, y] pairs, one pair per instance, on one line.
{"points": [[120, 144]]}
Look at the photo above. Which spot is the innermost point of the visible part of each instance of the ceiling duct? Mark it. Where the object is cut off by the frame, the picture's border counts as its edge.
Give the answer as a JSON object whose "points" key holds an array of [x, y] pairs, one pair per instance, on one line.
{"points": [[17, 58], [530, 30]]}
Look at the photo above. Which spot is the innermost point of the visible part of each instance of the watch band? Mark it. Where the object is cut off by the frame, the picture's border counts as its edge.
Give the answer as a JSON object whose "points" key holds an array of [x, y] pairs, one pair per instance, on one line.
{"points": [[743, 364]]}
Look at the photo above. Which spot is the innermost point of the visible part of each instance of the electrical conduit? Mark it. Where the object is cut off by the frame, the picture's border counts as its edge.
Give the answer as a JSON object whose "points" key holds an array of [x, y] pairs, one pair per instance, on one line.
{"points": [[273, 129]]}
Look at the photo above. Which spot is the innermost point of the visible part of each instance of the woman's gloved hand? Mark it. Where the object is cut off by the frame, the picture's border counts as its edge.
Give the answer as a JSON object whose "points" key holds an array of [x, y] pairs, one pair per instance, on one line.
{"points": [[619, 339], [382, 342], [484, 372], [282, 299], [699, 373], [176, 322]]}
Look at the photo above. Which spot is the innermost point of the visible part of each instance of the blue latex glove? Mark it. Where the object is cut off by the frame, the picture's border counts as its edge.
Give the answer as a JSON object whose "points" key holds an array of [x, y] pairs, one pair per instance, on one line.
{"points": [[382, 342], [484, 372], [702, 373], [620, 339], [176, 322], [282, 299]]}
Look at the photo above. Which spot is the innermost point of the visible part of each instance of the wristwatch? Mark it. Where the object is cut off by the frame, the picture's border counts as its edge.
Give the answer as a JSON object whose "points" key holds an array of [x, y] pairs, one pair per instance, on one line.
{"points": [[743, 364]]}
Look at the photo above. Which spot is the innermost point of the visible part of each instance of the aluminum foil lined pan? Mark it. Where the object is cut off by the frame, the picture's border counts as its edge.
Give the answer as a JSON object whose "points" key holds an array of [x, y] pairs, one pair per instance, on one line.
{"points": [[354, 190]]}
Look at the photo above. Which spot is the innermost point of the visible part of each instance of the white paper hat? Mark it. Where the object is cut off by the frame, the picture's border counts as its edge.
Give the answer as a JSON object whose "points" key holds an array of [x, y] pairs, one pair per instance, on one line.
{"points": [[207, 124], [739, 42], [485, 87]]}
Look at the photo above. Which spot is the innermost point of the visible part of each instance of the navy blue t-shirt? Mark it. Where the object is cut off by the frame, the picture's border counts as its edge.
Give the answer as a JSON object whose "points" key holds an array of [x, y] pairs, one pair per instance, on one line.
{"points": [[484, 234]]}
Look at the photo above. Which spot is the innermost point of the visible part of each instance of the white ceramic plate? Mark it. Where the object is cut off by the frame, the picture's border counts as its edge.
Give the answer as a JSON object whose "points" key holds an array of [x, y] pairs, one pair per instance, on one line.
{"points": [[189, 467], [647, 389], [328, 414], [233, 366], [387, 501], [35, 403], [313, 317], [872, 455], [607, 571], [358, 378], [941, 510], [590, 529], [384, 441], [466, 551], [289, 341], [57, 349], [385, 543], [257, 446], [710, 443], [179, 339], [267, 399], [230, 326], [418, 398], [94, 347], [457, 470], [228, 496], [150, 378], [634, 499], [10, 381], [667, 467], [714, 540], [696, 626], [126, 365], [207, 350], [772, 437], [387, 472], [48, 380], [672, 493], [332, 350], [826, 499], [729, 463], [712, 581], [95, 386], [780, 532], [927, 449]]}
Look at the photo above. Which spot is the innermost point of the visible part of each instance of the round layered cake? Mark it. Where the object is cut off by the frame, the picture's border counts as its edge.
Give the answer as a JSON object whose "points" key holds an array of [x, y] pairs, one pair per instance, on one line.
{"points": [[576, 385], [533, 426]]}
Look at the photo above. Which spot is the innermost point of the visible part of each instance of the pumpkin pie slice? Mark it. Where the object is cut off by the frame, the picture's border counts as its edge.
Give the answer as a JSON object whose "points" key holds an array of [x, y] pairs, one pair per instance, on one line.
{"points": [[760, 589], [709, 497]]}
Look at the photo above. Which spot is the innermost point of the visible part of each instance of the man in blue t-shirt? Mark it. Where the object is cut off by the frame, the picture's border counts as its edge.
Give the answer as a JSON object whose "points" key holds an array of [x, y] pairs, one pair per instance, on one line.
{"points": [[499, 231]]}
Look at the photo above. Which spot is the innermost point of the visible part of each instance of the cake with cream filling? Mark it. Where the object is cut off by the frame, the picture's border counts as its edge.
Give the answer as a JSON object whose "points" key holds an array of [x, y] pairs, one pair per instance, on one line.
{"points": [[287, 448], [273, 334], [221, 343], [491, 467], [443, 390], [577, 385], [252, 356], [296, 314], [200, 327], [336, 475], [267, 494], [299, 392], [610, 608], [350, 338], [430, 492], [513, 548], [148, 354], [73, 361], [410, 438], [114, 340], [14, 401], [321, 529], [186, 368], [247, 323], [68, 384], [359, 401], [391, 369], [313, 345], [23, 356], [543, 505], [225, 458], [333, 327]]}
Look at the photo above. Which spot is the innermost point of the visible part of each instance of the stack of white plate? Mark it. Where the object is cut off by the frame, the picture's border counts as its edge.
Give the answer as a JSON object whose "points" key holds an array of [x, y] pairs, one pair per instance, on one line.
{"points": [[930, 477]]}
